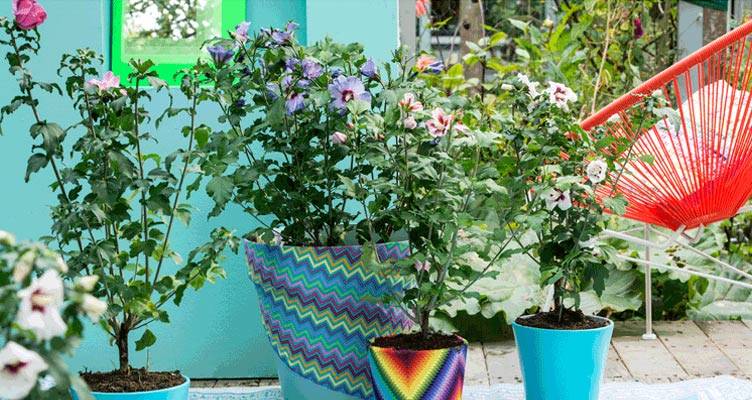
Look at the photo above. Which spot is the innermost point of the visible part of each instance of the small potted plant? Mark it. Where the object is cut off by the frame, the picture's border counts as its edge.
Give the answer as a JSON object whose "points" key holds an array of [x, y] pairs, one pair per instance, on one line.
{"points": [[434, 172], [39, 321], [117, 204], [560, 176], [291, 157]]}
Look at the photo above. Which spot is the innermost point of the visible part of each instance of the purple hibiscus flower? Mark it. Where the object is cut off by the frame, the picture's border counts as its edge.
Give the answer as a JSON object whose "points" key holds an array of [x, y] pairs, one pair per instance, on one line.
{"points": [[287, 82], [369, 70], [284, 37], [311, 69], [241, 31], [291, 63], [294, 103], [220, 55], [345, 89]]}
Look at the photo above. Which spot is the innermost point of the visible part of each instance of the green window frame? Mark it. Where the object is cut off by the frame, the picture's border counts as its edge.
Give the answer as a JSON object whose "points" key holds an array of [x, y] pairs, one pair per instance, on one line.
{"points": [[169, 57]]}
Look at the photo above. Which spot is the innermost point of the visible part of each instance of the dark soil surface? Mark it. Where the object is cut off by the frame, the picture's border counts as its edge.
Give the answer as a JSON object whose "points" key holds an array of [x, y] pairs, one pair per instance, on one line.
{"points": [[570, 320], [418, 341], [138, 380]]}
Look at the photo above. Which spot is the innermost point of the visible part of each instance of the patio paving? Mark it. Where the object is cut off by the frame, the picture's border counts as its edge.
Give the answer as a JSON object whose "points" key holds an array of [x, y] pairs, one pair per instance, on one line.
{"points": [[683, 350]]}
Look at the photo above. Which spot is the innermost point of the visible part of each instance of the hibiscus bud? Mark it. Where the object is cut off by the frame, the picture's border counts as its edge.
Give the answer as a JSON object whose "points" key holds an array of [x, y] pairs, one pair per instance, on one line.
{"points": [[338, 138], [87, 283], [548, 23], [60, 264], [506, 86], [7, 239], [410, 122], [93, 307], [23, 266], [422, 266]]}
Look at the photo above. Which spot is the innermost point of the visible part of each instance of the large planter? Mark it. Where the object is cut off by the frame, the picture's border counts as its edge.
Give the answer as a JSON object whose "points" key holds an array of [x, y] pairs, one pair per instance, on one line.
{"points": [[418, 374], [321, 306], [562, 364], [174, 393]]}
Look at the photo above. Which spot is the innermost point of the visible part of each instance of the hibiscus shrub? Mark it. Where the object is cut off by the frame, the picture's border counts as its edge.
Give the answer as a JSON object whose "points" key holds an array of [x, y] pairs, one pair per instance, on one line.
{"points": [[433, 169], [118, 198], [290, 155], [39, 321], [553, 170]]}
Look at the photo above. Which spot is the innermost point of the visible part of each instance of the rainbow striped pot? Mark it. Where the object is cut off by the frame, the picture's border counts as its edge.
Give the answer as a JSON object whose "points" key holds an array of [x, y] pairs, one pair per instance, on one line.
{"points": [[321, 306], [418, 374]]}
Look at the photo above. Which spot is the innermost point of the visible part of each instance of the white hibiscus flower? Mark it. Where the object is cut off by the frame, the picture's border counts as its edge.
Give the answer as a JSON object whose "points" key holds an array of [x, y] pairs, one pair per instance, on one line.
{"points": [[596, 171], [532, 87], [560, 95], [557, 198], [39, 310], [19, 371]]}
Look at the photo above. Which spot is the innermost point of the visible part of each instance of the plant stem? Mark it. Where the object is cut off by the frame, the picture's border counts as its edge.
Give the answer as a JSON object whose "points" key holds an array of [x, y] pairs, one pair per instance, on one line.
{"points": [[144, 217], [183, 173]]}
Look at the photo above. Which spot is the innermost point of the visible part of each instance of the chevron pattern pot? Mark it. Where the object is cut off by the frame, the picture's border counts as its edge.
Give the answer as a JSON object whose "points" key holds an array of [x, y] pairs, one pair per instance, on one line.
{"points": [[418, 374], [321, 306]]}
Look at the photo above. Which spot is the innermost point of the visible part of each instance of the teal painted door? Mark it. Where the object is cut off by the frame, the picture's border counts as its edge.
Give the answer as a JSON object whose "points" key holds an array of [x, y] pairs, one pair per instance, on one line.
{"points": [[216, 332]]}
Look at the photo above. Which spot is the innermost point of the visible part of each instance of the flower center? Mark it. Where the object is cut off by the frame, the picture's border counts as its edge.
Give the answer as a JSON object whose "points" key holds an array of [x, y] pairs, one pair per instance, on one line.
{"points": [[347, 95], [560, 94], [39, 300], [15, 368]]}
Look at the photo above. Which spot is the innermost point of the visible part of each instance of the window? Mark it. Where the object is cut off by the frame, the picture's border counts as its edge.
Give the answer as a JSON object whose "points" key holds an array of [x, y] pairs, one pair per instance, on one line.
{"points": [[169, 32]]}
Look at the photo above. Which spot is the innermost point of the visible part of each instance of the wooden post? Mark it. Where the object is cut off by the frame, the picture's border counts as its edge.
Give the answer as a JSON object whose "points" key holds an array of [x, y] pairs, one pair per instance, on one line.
{"points": [[471, 23]]}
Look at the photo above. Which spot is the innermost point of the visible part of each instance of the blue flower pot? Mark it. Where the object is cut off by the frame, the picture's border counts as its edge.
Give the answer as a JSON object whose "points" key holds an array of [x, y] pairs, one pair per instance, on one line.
{"points": [[174, 393], [562, 364]]}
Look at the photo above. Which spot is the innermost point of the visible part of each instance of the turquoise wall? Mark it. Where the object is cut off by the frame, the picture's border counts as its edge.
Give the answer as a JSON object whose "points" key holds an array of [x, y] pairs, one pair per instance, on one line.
{"points": [[216, 332]]}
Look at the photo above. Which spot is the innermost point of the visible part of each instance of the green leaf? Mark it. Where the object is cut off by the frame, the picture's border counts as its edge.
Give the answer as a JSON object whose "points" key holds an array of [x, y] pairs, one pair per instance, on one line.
{"points": [[147, 340], [36, 162], [220, 189], [521, 25], [617, 205]]}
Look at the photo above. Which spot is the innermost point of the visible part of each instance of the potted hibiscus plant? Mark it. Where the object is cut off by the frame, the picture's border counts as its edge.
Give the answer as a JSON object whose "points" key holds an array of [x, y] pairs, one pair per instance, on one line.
{"points": [[435, 170], [118, 204], [561, 177], [291, 158], [40, 321]]}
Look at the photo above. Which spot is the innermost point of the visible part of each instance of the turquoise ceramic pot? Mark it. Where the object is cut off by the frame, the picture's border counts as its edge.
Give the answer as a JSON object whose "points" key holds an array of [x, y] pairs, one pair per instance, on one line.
{"points": [[173, 393], [562, 364]]}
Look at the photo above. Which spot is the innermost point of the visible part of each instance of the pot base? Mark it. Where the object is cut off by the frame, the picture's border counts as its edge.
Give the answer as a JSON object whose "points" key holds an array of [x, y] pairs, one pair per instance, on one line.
{"points": [[296, 387]]}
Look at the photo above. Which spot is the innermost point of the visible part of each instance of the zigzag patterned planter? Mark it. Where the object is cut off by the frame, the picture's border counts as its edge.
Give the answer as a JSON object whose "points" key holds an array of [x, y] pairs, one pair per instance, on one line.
{"points": [[418, 374], [321, 307]]}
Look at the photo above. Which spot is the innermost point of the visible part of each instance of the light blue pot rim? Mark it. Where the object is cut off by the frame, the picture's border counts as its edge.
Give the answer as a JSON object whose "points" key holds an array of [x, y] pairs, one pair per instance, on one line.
{"points": [[534, 328], [187, 383]]}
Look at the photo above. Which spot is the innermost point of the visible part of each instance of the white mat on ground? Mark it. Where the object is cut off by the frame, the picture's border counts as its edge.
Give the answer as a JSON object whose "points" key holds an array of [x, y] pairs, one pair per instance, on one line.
{"points": [[718, 388]]}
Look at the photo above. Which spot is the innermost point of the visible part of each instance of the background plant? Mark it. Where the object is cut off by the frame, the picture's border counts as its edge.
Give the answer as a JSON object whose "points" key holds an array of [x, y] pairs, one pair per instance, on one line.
{"points": [[117, 202], [39, 321]]}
